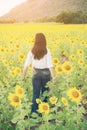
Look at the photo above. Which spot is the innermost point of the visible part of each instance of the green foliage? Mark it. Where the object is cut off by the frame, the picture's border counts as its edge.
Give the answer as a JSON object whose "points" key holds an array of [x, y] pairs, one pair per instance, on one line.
{"points": [[67, 17], [60, 117], [46, 19], [72, 17]]}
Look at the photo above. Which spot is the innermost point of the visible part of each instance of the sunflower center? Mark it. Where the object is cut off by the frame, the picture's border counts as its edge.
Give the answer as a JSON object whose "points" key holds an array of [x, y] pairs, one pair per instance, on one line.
{"points": [[53, 100], [45, 107], [20, 91], [75, 94], [68, 67], [17, 46], [59, 69], [16, 99], [55, 61], [81, 61], [80, 52], [21, 56], [73, 56], [18, 71]]}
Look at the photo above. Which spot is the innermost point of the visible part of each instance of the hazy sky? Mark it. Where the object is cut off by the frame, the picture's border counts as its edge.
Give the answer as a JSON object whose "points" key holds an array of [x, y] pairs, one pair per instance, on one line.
{"points": [[7, 5]]}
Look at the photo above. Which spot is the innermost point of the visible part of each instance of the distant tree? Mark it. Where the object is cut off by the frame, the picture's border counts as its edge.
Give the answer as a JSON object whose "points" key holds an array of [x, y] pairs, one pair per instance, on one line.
{"points": [[66, 17], [72, 17]]}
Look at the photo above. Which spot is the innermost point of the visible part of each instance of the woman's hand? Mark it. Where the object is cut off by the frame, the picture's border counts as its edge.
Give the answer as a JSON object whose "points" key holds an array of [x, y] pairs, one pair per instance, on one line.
{"points": [[24, 72], [52, 74], [53, 79], [23, 77]]}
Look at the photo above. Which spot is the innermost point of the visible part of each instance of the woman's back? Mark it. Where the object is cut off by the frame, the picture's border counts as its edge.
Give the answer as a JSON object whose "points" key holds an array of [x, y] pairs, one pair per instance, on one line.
{"points": [[44, 62]]}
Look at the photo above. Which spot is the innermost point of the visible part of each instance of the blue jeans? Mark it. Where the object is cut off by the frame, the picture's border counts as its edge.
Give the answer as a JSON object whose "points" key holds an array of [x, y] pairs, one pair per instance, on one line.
{"points": [[39, 80]]}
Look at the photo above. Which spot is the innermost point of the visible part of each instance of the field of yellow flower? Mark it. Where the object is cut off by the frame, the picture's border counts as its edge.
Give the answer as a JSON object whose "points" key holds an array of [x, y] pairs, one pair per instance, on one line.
{"points": [[66, 107]]}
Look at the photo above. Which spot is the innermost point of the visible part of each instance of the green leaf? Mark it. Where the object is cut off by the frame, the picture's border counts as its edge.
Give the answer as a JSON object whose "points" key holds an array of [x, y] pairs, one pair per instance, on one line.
{"points": [[34, 115], [59, 127], [83, 125], [71, 127], [15, 119], [4, 126]]}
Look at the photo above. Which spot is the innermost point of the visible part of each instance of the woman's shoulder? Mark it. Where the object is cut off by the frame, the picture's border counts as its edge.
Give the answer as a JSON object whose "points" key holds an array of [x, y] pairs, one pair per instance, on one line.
{"points": [[48, 50], [30, 52]]}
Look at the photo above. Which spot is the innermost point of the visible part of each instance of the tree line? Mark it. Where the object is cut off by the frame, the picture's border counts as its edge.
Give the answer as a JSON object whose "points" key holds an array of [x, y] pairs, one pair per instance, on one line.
{"points": [[66, 17]]}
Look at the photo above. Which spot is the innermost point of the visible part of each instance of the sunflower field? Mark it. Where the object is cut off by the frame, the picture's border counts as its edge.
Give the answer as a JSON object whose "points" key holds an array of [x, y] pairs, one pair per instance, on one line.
{"points": [[66, 108]]}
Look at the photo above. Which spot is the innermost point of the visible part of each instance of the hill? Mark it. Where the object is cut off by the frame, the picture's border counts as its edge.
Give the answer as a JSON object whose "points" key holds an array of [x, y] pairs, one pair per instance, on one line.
{"points": [[36, 9]]}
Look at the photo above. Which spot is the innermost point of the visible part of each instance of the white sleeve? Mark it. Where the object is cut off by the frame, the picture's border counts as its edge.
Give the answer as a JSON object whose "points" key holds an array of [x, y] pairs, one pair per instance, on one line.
{"points": [[28, 59], [49, 59]]}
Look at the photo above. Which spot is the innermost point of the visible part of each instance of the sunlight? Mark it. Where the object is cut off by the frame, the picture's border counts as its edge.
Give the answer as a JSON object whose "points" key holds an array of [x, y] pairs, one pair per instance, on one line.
{"points": [[7, 5]]}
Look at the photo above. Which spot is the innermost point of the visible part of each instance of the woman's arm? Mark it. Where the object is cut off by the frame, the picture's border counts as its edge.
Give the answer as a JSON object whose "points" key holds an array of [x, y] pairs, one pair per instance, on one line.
{"points": [[50, 65], [27, 63], [24, 72], [52, 73]]}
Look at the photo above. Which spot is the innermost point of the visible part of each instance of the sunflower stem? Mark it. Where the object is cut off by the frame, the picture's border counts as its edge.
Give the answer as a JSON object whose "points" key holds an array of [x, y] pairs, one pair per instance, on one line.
{"points": [[77, 116], [56, 113], [46, 116]]}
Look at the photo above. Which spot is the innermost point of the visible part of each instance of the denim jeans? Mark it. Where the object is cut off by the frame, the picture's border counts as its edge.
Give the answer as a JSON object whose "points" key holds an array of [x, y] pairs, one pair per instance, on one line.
{"points": [[39, 80]]}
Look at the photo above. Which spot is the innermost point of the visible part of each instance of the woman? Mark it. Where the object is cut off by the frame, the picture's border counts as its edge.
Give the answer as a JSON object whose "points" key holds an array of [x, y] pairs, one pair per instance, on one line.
{"points": [[41, 60]]}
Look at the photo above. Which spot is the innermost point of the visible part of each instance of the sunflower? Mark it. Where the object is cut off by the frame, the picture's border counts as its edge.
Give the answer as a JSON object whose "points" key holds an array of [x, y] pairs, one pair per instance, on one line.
{"points": [[66, 35], [2, 49], [79, 52], [12, 73], [17, 70], [17, 46], [67, 67], [65, 102], [21, 57], [11, 62], [14, 100], [81, 61], [73, 57], [75, 94], [12, 50], [38, 100], [59, 69], [44, 108], [5, 62], [55, 61], [19, 91], [53, 100], [72, 41], [6, 50]]}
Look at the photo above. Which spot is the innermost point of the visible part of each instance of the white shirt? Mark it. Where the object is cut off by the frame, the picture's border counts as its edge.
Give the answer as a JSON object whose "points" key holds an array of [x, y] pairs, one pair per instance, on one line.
{"points": [[45, 62]]}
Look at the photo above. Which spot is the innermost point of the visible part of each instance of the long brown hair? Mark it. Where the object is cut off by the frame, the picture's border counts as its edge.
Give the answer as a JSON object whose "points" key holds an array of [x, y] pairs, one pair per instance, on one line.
{"points": [[39, 49]]}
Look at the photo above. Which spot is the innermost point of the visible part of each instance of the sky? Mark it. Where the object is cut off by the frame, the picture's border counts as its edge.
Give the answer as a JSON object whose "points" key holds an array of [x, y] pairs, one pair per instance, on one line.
{"points": [[7, 5]]}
